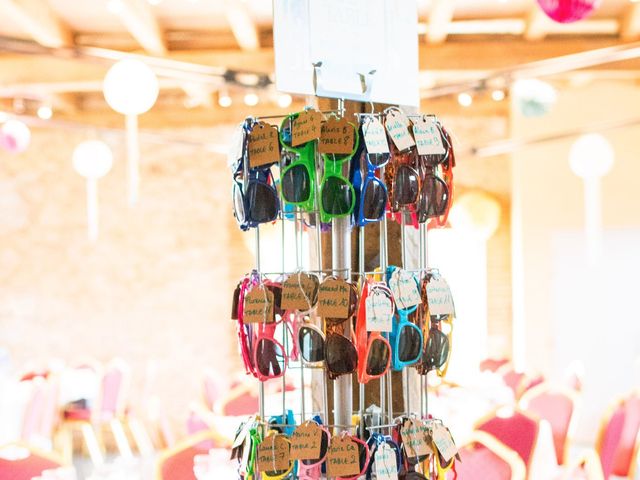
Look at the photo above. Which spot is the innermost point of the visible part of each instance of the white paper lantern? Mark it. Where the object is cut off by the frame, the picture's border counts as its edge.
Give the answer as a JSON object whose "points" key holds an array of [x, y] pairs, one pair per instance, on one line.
{"points": [[92, 159], [130, 87], [591, 156], [16, 136]]}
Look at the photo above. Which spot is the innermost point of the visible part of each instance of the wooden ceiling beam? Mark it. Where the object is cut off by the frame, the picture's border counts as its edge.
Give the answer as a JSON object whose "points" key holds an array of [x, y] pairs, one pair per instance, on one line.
{"points": [[139, 19], [439, 18], [630, 22], [38, 21]]}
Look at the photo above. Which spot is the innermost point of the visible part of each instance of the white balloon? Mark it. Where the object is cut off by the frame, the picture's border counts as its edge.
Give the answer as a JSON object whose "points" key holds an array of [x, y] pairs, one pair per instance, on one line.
{"points": [[591, 156], [130, 87], [92, 159], [17, 136]]}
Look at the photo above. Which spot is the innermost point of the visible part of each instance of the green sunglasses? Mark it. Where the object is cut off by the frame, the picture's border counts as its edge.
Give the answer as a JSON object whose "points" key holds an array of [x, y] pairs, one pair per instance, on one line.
{"points": [[298, 179], [337, 195]]}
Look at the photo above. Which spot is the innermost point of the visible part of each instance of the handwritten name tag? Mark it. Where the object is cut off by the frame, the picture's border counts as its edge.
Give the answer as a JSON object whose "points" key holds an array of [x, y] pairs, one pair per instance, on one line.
{"points": [[428, 137], [337, 136], [397, 125], [443, 441], [375, 136], [343, 459], [404, 288], [299, 292], [263, 145], [415, 437], [273, 453], [379, 310], [306, 127], [439, 297], [333, 298], [306, 442], [258, 305], [385, 463]]}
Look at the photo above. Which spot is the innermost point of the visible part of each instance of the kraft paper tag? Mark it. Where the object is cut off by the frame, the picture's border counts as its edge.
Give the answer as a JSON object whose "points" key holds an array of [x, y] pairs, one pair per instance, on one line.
{"points": [[397, 125], [415, 438], [333, 298], [343, 459], [306, 442], [439, 297], [306, 127], [379, 309], [273, 454], [299, 292], [428, 137], [258, 305], [263, 145], [375, 137], [337, 136], [443, 441], [385, 463], [404, 288]]}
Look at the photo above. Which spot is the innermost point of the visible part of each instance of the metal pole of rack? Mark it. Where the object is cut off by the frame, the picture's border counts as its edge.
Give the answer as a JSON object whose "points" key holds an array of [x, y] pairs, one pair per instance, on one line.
{"points": [[405, 370], [261, 385], [424, 262], [384, 263], [298, 238], [361, 268]]}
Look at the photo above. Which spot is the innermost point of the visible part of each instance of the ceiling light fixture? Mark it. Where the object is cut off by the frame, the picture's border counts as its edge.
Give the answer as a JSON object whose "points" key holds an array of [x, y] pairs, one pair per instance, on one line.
{"points": [[251, 99], [284, 100], [45, 112], [224, 100], [465, 99], [498, 95]]}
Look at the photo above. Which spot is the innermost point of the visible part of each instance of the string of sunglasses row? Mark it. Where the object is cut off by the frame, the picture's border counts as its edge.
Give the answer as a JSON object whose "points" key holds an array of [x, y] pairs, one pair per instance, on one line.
{"points": [[399, 320], [415, 449], [396, 166]]}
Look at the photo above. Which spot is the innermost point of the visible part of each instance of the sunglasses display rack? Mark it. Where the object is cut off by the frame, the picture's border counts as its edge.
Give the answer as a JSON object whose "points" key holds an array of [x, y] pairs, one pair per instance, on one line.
{"points": [[329, 173]]}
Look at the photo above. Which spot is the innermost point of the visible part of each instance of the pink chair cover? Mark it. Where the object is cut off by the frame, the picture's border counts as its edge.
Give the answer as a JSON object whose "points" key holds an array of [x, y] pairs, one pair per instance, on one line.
{"points": [[492, 364], [624, 453], [112, 384], [25, 469], [556, 408], [513, 380], [610, 440], [518, 432], [478, 458]]}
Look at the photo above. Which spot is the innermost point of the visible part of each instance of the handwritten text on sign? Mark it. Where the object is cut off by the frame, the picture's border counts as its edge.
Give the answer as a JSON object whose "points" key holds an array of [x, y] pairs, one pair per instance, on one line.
{"points": [[306, 127], [439, 297], [404, 287], [343, 458], [428, 137], [273, 454], [299, 292], [306, 442], [398, 128], [374, 136], [263, 145], [444, 442], [337, 136], [333, 298], [415, 437], [258, 305], [385, 463], [379, 311]]}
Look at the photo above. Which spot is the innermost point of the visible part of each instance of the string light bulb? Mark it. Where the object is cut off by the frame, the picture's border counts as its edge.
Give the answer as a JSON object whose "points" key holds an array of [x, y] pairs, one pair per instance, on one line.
{"points": [[224, 100], [45, 112], [284, 100], [498, 95], [465, 99], [251, 99]]}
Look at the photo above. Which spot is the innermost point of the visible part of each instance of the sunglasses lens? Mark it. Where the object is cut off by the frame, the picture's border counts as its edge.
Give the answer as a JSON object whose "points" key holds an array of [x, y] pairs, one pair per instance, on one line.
{"points": [[324, 447], [263, 202], [437, 349], [362, 453], [378, 358], [378, 159], [409, 345], [311, 345], [406, 185], [433, 201], [337, 196], [269, 356], [296, 184], [375, 200], [238, 203], [340, 355]]}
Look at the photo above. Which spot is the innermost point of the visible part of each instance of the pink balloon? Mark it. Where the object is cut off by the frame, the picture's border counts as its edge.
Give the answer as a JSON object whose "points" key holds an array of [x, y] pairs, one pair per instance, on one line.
{"points": [[568, 11]]}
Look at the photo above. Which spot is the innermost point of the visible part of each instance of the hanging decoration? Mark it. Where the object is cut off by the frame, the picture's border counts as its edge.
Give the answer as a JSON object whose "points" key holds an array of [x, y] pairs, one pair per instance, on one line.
{"points": [[131, 88], [15, 136], [568, 11], [92, 159], [591, 158]]}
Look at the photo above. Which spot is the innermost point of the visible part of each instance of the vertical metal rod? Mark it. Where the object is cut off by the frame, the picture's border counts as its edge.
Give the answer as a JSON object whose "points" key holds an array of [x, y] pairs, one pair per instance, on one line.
{"points": [[361, 268], [285, 340], [385, 381], [298, 234], [421, 266], [261, 385], [424, 259], [341, 263], [405, 370]]}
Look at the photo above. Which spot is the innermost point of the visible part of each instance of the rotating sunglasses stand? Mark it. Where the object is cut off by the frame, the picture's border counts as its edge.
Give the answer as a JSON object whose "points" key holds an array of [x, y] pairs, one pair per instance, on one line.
{"points": [[340, 268]]}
